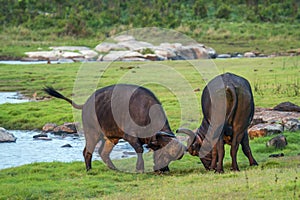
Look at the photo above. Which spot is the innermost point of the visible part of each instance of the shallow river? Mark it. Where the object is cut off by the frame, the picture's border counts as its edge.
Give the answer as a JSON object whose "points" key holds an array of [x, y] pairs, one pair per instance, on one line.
{"points": [[28, 150]]}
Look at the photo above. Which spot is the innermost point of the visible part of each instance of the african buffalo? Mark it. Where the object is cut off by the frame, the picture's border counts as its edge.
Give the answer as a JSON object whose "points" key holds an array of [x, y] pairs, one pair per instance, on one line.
{"points": [[128, 112], [228, 108]]}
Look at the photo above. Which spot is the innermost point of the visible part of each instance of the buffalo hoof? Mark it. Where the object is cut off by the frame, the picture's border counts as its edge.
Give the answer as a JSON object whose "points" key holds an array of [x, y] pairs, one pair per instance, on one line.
{"points": [[163, 170], [221, 171]]}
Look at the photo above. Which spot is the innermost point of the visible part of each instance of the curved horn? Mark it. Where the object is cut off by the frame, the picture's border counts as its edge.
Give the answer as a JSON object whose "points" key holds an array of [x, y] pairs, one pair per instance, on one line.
{"points": [[162, 133], [193, 136]]}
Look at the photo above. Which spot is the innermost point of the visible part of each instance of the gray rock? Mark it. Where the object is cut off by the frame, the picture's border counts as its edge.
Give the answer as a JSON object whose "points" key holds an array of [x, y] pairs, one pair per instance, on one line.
{"points": [[291, 124], [249, 55], [5, 136], [134, 45], [123, 38], [224, 56], [106, 47], [261, 130], [69, 48], [278, 142]]}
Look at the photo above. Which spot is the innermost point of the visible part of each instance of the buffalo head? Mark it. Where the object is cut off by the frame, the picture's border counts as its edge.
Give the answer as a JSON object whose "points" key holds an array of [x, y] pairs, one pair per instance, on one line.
{"points": [[166, 148]]}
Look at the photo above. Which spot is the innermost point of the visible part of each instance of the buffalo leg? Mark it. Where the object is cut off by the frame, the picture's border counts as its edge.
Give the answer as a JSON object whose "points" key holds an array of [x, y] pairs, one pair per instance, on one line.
{"points": [[234, 149], [135, 143], [220, 155], [88, 159], [106, 150], [213, 164], [91, 137], [246, 149]]}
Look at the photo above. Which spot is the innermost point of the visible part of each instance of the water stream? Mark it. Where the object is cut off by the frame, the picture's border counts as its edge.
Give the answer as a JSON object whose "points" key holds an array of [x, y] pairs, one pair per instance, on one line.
{"points": [[28, 150]]}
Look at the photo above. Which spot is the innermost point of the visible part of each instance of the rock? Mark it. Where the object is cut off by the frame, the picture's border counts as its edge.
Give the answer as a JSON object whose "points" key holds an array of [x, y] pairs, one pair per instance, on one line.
{"points": [[211, 52], [124, 56], [64, 60], [43, 55], [224, 56], [270, 115], [40, 135], [68, 54], [277, 155], [5, 136], [134, 45], [261, 130], [89, 54], [278, 142], [123, 38], [249, 55], [69, 48], [66, 145], [68, 128], [49, 127], [165, 53], [106, 47], [291, 124], [287, 106], [191, 52], [43, 138]]}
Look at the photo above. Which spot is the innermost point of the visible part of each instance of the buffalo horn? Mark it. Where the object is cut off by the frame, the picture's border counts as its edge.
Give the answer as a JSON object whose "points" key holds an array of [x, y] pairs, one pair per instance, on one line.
{"points": [[162, 133], [191, 135]]}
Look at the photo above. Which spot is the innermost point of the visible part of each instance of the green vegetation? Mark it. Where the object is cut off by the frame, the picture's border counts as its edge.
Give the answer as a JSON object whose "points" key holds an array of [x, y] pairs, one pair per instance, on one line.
{"points": [[273, 80], [227, 26], [276, 178]]}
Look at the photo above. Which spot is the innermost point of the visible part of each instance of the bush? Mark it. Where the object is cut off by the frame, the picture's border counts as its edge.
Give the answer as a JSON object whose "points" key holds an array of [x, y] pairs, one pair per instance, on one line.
{"points": [[223, 11]]}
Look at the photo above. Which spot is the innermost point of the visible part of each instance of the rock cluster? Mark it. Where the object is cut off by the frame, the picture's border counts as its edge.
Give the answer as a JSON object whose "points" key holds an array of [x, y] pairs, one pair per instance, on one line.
{"points": [[125, 48], [66, 128]]}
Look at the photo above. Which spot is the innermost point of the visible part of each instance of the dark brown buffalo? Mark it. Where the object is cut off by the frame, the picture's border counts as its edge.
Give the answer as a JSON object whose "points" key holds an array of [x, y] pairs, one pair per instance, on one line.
{"points": [[228, 108], [128, 112]]}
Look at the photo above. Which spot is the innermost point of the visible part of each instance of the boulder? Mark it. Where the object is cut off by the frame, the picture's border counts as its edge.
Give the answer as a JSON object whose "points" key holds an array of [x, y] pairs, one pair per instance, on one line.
{"points": [[5, 136], [66, 128], [134, 45], [291, 124], [278, 142], [123, 38], [106, 47], [124, 56], [271, 116], [69, 48], [191, 52], [249, 55], [224, 56], [261, 130], [287, 106], [49, 127], [89, 54], [43, 55]]}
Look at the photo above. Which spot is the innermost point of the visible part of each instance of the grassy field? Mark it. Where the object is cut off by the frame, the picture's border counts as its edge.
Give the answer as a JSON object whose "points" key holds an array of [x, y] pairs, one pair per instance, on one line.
{"points": [[223, 36], [276, 178], [273, 80]]}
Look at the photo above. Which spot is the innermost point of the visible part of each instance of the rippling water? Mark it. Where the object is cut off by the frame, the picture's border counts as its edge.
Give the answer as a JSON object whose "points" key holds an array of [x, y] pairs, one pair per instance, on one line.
{"points": [[11, 97], [28, 150]]}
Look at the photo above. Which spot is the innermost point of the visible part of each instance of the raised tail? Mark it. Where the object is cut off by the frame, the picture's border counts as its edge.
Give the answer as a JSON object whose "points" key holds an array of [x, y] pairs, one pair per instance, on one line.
{"points": [[52, 92]]}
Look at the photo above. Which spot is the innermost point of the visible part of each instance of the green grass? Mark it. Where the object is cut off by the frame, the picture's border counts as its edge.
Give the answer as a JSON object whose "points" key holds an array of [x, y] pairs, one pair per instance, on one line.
{"points": [[274, 178], [273, 80], [223, 36]]}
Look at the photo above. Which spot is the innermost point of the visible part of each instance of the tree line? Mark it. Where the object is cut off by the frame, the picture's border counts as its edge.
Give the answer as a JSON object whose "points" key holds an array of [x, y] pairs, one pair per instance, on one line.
{"points": [[83, 17]]}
